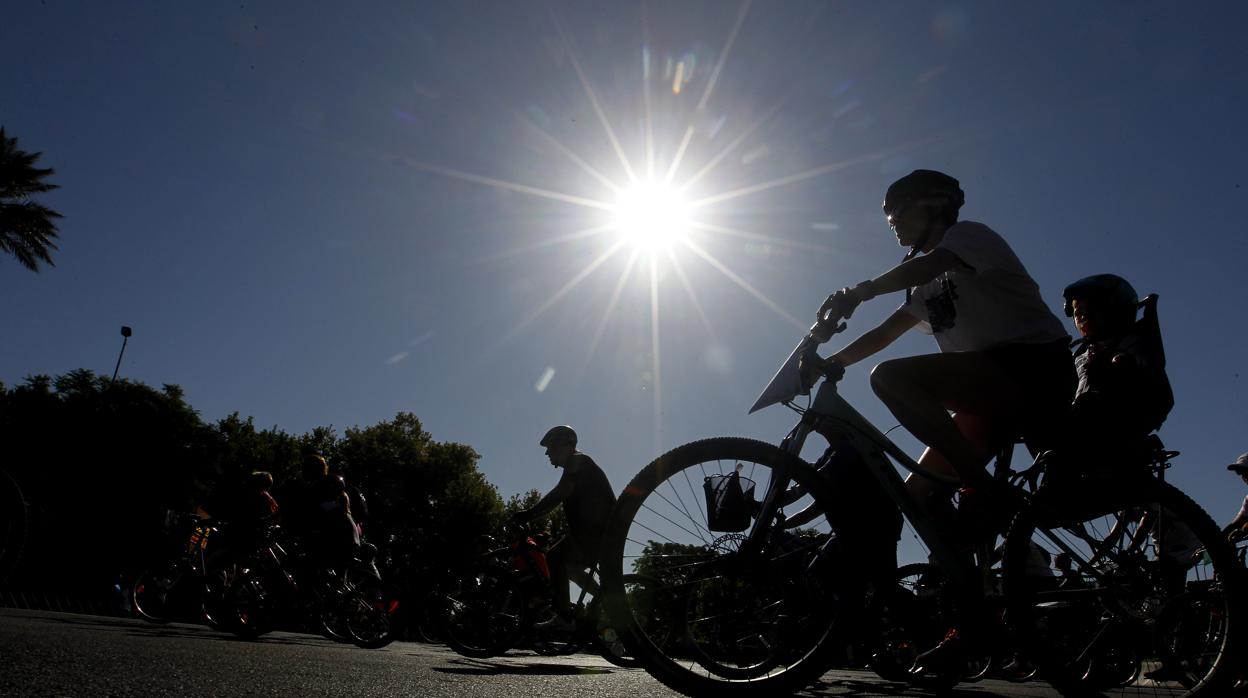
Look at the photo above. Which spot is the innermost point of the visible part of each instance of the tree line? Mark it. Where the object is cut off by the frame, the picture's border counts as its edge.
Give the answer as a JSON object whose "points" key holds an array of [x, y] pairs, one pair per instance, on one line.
{"points": [[99, 463]]}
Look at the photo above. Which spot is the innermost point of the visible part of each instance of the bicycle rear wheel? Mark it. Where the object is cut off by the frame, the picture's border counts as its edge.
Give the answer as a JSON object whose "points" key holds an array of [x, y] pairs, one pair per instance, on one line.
{"points": [[486, 611], [1152, 608], [734, 616], [151, 595]]}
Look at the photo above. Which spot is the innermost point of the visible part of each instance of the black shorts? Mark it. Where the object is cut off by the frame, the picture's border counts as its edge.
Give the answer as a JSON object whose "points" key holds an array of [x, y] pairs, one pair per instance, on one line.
{"points": [[1046, 374]]}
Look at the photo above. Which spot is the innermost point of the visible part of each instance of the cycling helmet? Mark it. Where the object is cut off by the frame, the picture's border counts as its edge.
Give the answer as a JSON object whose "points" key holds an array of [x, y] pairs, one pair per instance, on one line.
{"points": [[923, 186], [558, 434], [1119, 297]]}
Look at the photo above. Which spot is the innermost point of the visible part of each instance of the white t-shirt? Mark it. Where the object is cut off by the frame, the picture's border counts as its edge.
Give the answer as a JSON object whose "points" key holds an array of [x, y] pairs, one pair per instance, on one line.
{"points": [[987, 301]]}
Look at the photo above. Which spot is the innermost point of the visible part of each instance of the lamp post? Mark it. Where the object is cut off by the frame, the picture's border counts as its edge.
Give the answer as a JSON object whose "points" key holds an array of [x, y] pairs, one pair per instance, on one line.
{"points": [[125, 337]]}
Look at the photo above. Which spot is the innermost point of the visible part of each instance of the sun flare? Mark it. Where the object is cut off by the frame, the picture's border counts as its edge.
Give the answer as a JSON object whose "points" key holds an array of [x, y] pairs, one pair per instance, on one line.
{"points": [[651, 216]]}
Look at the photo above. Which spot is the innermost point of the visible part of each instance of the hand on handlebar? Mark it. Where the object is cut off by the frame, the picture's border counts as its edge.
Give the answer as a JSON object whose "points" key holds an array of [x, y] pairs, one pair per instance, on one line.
{"points": [[837, 307]]}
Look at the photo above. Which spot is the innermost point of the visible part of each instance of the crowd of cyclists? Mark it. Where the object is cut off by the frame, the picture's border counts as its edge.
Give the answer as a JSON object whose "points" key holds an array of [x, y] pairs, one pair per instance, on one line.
{"points": [[1006, 370]]}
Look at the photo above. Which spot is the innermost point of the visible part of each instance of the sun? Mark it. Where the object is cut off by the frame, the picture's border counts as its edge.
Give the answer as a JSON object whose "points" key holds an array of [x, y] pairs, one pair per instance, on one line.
{"points": [[651, 216]]}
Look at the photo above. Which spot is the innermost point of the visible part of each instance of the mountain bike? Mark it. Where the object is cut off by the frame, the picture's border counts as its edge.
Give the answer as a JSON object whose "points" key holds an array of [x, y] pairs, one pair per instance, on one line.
{"points": [[758, 610], [503, 602]]}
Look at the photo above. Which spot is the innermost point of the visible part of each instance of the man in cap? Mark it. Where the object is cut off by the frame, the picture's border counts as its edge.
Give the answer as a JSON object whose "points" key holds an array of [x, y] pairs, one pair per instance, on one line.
{"points": [[1237, 529], [587, 500]]}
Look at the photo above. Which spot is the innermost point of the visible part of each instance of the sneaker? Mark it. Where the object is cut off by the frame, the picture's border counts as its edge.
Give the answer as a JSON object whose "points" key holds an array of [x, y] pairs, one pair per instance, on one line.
{"points": [[1018, 669], [555, 624], [945, 659]]}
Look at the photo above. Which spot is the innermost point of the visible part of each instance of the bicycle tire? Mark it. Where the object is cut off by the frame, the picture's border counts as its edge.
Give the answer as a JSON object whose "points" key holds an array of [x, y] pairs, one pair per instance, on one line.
{"points": [[370, 614], [913, 620], [1093, 637], [644, 595], [742, 621], [248, 607], [216, 582], [486, 612], [152, 591], [14, 525]]}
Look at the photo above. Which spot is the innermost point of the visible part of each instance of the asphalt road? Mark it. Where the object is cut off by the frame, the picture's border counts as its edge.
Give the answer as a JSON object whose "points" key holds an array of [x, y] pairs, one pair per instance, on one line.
{"points": [[61, 654]]}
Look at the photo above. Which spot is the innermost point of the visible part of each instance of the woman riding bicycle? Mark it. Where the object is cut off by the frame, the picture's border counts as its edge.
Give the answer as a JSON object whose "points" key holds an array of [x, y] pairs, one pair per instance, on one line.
{"points": [[1004, 369]]}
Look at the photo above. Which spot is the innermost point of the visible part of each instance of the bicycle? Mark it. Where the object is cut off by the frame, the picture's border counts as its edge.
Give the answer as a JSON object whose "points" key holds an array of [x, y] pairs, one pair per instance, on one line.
{"points": [[765, 614], [184, 577], [347, 603], [501, 602], [1157, 591]]}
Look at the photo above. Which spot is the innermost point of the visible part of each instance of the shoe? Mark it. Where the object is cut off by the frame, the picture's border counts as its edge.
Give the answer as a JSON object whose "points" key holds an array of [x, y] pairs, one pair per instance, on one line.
{"points": [[555, 624], [947, 659], [1018, 669]]}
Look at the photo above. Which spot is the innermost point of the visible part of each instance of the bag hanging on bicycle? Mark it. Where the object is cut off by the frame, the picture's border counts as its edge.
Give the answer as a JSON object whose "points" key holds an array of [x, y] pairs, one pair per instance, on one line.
{"points": [[729, 502], [866, 520]]}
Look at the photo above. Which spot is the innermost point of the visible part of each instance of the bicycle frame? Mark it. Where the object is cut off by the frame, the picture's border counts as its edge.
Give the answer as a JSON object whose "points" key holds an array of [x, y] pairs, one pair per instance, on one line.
{"points": [[875, 449]]}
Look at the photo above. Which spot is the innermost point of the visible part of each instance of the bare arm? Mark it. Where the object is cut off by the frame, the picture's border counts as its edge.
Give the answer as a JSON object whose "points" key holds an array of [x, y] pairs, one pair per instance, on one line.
{"points": [[876, 339], [1236, 526], [910, 273]]}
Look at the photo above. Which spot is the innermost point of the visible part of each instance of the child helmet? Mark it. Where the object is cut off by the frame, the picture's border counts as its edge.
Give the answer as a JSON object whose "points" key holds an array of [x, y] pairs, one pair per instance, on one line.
{"points": [[1119, 297]]}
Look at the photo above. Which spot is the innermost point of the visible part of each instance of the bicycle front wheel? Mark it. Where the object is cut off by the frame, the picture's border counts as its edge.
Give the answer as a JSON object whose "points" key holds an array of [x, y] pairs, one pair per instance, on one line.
{"points": [[1151, 608], [732, 614], [370, 613]]}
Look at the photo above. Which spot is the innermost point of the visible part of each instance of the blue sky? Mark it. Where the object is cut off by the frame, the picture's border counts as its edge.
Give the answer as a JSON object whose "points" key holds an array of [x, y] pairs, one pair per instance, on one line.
{"points": [[318, 213]]}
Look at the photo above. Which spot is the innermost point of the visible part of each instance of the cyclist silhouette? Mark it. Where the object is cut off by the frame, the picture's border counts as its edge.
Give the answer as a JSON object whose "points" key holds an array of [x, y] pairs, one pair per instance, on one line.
{"points": [[1004, 369], [587, 499], [1237, 529]]}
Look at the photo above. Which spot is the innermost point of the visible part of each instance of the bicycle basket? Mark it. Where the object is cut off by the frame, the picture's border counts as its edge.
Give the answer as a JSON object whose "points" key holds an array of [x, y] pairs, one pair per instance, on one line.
{"points": [[729, 502]]}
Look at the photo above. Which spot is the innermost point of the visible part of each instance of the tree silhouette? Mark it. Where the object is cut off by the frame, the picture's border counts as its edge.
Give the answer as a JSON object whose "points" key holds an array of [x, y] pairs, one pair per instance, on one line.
{"points": [[27, 228]]}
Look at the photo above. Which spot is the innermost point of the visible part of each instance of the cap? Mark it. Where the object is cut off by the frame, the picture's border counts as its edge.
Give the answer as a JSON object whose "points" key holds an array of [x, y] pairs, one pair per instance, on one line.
{"points": [[1240, 465]]}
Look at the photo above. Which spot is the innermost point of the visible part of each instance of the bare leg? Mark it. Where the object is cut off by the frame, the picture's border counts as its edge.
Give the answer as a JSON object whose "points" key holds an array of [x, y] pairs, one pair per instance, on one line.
{"points": [[935, 497], [919, 391]]}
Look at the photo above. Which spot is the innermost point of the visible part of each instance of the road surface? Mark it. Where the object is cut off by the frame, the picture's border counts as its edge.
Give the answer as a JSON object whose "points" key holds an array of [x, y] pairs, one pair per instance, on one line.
{"points": [[63, 654]]}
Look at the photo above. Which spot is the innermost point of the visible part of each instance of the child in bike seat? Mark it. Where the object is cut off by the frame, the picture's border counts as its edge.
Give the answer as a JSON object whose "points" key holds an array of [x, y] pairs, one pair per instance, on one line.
{"points": [[1123, 393]]}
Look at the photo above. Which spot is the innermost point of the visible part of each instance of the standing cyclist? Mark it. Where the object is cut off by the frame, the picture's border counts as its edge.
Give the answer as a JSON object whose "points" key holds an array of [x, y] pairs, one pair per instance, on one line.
{"points": [[587, 500]]}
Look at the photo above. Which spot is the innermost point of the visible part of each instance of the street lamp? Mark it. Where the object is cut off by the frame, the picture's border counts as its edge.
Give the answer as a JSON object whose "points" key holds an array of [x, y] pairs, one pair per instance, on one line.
{"points": [[125, 337]]}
